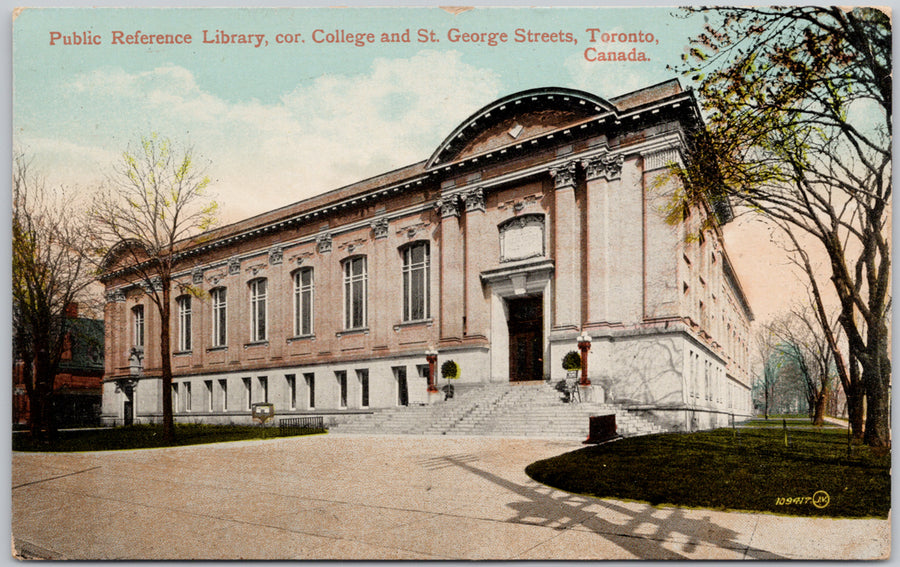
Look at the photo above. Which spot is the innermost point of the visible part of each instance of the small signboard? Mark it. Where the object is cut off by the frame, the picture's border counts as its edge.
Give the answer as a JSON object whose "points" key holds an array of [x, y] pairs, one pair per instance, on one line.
{"points": [[263, 412]]}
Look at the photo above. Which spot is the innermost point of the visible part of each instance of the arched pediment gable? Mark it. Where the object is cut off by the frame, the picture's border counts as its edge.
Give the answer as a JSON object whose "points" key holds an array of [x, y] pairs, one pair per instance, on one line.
{"points": [[517, 117], [124, 252]]}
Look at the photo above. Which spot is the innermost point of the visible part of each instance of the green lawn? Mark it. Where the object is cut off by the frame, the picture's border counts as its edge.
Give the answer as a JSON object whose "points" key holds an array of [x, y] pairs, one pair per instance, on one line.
{"points": [[146, 437], [747, 469]]}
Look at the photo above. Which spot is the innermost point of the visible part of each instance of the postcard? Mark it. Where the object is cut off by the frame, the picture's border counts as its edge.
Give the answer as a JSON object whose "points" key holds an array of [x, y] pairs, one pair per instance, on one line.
{"points": [[430, 283]]}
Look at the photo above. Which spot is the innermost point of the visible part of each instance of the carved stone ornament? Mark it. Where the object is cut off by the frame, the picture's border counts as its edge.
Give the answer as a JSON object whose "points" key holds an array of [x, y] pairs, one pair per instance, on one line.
{"points": [[448, 206], [323, 243], [234, 266], [215, 277], [564, 175], [474, 199], [300, 258], [606, 166], [117, 296], [380, 228], [197, 276], [257, 268], [276, 255]]}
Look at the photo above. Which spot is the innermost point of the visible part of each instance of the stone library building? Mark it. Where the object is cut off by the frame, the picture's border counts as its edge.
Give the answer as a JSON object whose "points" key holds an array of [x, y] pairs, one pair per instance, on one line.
{"points": [[535, 225]]}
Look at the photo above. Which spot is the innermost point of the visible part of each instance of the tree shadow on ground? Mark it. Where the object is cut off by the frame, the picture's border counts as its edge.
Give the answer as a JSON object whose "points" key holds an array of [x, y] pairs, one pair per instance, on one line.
{"points": [[643, 534]]}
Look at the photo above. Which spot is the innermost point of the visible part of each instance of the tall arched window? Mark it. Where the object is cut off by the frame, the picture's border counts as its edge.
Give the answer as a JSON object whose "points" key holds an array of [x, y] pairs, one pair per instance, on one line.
{"points": [[303, 302], [258, 309], [355, 291], [137, 315], [219, 297], [416, 278], [184, 323]]}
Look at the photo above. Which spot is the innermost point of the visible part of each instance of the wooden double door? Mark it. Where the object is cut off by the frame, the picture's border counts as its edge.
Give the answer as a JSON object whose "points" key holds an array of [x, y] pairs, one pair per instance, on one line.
{"points": [[526, 338]]}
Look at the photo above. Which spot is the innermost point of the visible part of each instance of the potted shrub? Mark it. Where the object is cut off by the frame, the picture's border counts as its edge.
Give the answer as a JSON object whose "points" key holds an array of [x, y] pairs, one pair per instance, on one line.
{"points": [[572, 361], [449, 371]]}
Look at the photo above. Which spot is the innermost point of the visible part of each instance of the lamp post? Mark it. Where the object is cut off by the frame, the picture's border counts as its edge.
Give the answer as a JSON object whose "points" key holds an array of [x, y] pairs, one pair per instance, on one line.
{"points": [[584, 345], [431, 356]]}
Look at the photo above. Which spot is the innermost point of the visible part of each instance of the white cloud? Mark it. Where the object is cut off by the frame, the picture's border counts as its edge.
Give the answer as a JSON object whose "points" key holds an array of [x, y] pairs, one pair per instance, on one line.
{"points": [[329, 132]]}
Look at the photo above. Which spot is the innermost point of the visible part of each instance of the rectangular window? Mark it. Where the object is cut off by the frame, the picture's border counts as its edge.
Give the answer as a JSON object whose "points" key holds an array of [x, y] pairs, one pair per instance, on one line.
{"points": [[363, 376], [187, 396], [246, 393], [138, 315], [291, 390], [223, 393], [402, 386], [184, 323], [174, 397], [416, 275], [355, 284], [303, 302], [342, 386], [310, 379], [209, 395], [258, 310], [219, 298], [264, 389]]}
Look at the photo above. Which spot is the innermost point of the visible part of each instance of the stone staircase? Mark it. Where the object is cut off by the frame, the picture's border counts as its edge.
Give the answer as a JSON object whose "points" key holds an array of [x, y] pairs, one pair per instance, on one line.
{"points": [[503, 409]]}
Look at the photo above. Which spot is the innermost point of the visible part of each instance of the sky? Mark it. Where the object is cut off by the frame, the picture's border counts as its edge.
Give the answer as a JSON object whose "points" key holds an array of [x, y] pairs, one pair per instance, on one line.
{"points": [[282, 122]]}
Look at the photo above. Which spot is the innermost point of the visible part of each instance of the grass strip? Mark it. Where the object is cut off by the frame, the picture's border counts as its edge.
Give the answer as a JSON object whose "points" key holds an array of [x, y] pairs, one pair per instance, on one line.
{"points": [[746, 469], [148, 437]]}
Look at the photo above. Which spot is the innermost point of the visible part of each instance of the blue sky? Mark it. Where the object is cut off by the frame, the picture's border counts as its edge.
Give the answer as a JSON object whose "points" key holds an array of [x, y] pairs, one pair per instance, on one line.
{"points": [[281, 123], [289, 121]]}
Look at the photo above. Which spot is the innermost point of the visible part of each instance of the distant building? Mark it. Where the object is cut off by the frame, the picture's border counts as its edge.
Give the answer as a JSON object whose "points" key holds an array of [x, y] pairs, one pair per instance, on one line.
{"points": [[536, 220], [78, 384]]}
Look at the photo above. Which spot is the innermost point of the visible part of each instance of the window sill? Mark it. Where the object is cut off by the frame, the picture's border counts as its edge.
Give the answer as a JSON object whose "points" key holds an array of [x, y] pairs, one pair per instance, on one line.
{"points": [[359, 331], [256, 344], [417, 323], [217, 348], [301, 338], [183, 353]]}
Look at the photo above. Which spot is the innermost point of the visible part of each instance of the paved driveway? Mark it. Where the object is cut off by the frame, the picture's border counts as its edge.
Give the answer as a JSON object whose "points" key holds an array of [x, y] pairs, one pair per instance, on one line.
{"points": [[348, 497]]}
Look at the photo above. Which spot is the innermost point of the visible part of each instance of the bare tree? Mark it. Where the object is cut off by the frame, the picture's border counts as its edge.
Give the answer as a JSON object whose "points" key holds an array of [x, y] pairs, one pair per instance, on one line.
{"points": [[798, 338], [799, 113], [50, 270], [154, 200]]}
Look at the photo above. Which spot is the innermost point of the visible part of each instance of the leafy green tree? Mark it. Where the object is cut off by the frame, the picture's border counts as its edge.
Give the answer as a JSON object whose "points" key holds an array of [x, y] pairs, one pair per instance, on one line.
{"points": [[51, 269], [152, 205], [798, 104]]}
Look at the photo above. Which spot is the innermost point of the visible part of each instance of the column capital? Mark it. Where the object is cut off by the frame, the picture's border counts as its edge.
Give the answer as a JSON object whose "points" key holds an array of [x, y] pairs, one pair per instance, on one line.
{"points": [[323, 243], [448, 206], [564, 175], [474, 199], [606, 166], [380, 228]]}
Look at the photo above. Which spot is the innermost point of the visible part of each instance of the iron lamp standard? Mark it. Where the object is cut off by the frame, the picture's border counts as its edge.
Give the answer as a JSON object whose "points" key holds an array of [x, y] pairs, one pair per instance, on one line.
{"points": [[431, 356], [584, 345]]}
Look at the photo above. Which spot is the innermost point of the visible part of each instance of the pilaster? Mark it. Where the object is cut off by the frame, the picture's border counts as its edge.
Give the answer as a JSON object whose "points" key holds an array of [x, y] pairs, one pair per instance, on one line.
{"points": [[567, 252], [452, 290], [599, 171], [477, 305]]}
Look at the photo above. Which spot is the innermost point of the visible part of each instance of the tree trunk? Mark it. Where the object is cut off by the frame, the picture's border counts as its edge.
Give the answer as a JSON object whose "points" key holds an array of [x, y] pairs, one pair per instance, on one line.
{"points": [[821, 402], [165, 352], [876, 377]]}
